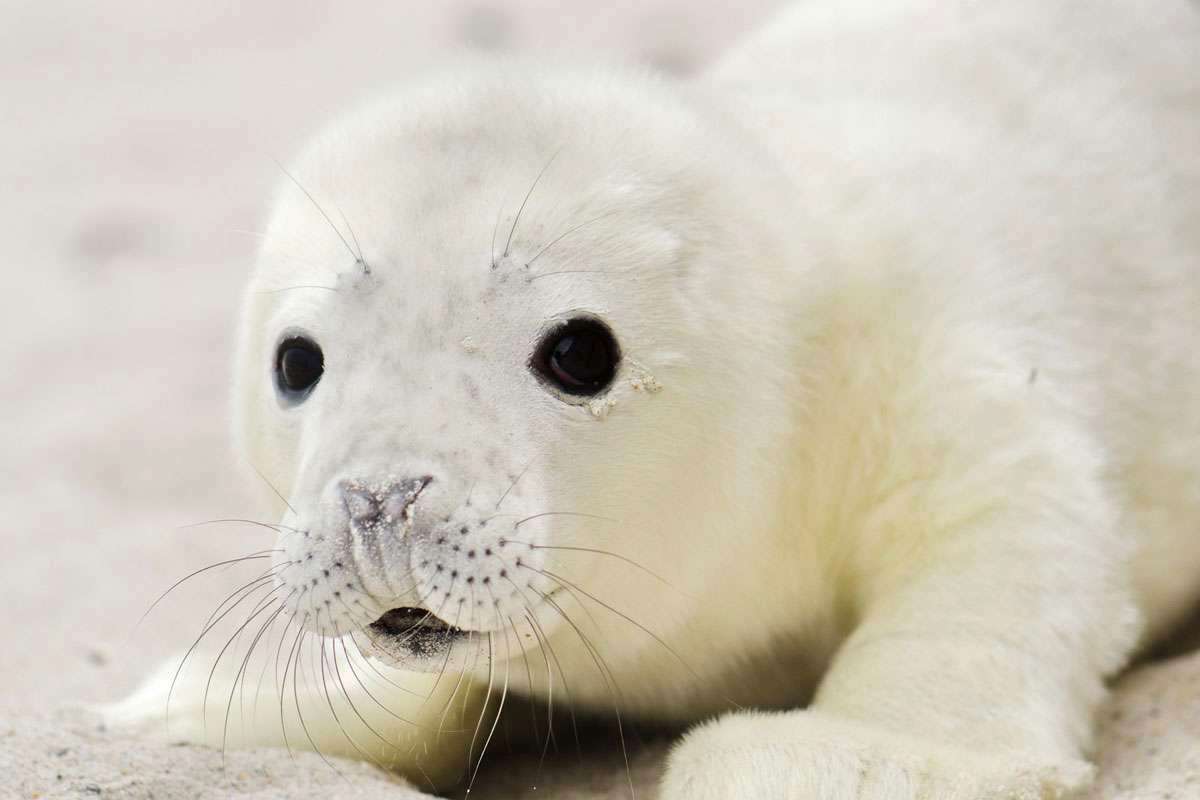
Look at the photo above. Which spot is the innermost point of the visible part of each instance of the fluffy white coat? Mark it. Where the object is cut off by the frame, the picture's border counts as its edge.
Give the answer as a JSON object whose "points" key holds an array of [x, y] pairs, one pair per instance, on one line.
{"points": [[908, 413]]}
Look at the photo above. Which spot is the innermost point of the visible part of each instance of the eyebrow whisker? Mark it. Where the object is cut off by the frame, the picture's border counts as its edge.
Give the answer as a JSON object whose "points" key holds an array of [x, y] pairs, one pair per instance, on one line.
{"points": [[533, 186], [357, 258], [569, 231]]}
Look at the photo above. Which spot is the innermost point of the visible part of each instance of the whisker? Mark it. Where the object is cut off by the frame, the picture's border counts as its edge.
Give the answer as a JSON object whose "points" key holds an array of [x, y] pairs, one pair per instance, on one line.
{"points": [[547, 275], [562, 674], [433, 787], [445, 638], [626, 559], [479, 656], [240, 673], [549, 699], [264, 629], [299, 712], [468, 688], [313, 200], [255, 584], [537, 738], [261, 554], [568, 585], [445, 662], [363, 686], [262, 676], [512, 485], [533, 186], [270, 485], [496, 227], [350, 665], [354, 236], [499, 710], [338, 721], [283, 686], [365, 631], [267, 661], [278, 528], [562, 514], [454, 692], [541, 275], [290, 255], [329, 700], [562, 236], [298, 286], [609, 683], [412, 630], [487, 701], [208, 627], [262, 605]]}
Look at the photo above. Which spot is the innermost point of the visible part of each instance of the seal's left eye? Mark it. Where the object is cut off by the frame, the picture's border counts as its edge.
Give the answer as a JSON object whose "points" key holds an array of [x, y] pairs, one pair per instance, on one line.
{"points": [[299, 364], [579, 358]]}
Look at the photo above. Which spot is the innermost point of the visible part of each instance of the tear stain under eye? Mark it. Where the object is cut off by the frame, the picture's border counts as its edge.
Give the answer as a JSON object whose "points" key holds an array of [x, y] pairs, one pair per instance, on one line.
{"points": [[641, 380], [600, 406]]}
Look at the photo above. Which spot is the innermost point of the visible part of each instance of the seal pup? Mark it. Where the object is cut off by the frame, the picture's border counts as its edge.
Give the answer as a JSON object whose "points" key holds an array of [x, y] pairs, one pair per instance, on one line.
{"points": [[843, 400]]}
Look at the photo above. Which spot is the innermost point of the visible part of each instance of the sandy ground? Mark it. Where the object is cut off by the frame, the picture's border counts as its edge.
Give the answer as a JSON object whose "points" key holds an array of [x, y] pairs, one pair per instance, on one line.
{"points": [[138, 146], [1149, 750]]}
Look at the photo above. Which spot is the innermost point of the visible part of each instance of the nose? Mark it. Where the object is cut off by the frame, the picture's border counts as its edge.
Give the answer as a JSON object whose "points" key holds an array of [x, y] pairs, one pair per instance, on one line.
{"points": [[388, 502]]}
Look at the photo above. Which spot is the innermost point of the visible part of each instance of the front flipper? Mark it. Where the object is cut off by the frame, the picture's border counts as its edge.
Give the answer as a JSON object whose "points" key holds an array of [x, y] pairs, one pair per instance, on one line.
{"points": [[808, 755]]}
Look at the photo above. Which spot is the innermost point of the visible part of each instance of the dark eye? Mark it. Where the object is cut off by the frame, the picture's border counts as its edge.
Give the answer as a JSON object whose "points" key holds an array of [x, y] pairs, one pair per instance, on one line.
{"points": [[299, 364], [579, 358]]}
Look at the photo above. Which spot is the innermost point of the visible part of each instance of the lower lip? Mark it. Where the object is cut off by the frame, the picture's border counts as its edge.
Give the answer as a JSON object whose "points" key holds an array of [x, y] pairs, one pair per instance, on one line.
{"points": [[418, 647]]}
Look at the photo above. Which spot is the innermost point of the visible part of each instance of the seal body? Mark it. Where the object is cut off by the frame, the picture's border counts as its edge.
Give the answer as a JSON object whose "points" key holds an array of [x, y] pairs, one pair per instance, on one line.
{"points": [[900, 439]]}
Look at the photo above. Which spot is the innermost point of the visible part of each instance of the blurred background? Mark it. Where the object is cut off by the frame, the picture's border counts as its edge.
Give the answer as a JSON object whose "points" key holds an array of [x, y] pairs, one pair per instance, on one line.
{"points": [[138, 144]]}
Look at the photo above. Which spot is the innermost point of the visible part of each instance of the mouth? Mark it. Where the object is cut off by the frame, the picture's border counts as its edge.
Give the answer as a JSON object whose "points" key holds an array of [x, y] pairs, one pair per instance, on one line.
{"points": [[400, 622], [407, 634]]}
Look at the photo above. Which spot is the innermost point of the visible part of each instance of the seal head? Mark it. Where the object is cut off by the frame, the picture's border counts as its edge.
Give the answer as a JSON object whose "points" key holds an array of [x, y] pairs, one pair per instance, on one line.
{"points": [[495, 352]]}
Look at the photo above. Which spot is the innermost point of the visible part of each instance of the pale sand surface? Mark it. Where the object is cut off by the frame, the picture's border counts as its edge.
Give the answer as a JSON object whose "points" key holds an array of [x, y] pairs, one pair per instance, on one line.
{"points": [[138, 146]]}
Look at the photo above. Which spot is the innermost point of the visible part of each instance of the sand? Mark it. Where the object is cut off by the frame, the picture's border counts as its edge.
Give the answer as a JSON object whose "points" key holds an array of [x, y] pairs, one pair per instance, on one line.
{"points": [[1149, 750], [139, 143]]}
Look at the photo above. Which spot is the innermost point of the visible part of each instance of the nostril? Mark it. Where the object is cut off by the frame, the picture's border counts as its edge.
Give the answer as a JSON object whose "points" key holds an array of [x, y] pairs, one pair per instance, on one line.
{"points": [[390, 501], [398, 501], [400, 498], [361, 505]]}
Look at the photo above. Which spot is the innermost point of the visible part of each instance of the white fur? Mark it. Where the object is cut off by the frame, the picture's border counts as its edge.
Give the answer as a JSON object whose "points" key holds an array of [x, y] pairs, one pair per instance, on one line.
{"points": [[909, 410]]}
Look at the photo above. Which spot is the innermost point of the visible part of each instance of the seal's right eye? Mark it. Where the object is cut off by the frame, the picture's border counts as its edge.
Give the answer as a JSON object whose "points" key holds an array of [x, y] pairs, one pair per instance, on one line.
{"points": [[299, 364]]}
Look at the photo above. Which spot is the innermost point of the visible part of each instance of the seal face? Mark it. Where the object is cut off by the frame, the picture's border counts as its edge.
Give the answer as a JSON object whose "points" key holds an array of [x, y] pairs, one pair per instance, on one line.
{"points": [[473, 354]]}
